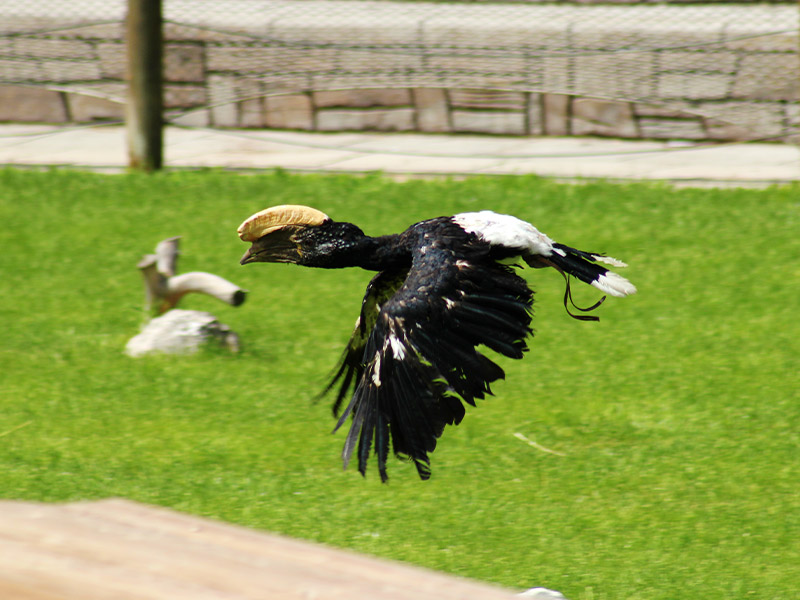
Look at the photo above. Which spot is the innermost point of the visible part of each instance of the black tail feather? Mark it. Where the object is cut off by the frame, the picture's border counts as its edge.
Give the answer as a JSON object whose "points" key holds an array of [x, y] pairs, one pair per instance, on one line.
{"points": [[577, 263], [571, 262]]}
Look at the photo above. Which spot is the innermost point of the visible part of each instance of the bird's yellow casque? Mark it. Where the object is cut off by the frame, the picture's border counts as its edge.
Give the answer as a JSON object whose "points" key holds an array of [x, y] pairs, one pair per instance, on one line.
{"points": [[271, 219]]}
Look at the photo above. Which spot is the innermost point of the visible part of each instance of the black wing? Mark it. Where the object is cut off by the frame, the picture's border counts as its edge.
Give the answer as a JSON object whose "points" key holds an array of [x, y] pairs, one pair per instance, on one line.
{"points": [[419, 360], [351, 368]]}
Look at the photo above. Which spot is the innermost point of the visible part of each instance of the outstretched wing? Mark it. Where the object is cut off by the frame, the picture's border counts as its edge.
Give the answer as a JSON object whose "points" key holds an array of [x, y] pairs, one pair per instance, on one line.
{"points": [[351, 367], [420, 359]]}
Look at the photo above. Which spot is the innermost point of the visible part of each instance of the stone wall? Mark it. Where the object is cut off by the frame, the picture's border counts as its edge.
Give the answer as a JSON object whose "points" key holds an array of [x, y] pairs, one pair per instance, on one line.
{"points": [[660, 72], [438, 110]]}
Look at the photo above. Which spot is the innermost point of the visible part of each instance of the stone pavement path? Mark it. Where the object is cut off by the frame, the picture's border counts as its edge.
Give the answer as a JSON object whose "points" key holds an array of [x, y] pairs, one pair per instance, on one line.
{"points": [[410, 154]]}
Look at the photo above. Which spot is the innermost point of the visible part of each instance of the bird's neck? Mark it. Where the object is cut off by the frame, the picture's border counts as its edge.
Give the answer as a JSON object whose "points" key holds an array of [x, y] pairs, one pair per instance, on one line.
{"points": [[339, 245], [379, 253]]}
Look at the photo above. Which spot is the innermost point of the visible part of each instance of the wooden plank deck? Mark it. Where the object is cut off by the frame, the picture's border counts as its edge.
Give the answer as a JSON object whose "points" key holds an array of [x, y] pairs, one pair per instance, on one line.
{"points": [[121, 550]]}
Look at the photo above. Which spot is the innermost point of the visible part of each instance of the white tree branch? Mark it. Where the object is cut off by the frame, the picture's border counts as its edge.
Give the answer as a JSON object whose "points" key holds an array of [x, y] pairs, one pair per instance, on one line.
{"points": [[164, 289]]}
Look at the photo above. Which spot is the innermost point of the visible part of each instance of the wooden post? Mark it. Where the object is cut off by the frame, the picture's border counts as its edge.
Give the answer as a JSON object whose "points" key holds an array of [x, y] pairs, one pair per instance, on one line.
{"points": [[144, 106]]}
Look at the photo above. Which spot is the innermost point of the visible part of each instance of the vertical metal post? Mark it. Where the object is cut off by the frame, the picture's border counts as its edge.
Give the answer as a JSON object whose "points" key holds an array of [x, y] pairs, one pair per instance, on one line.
{"points": [[143, 110]]}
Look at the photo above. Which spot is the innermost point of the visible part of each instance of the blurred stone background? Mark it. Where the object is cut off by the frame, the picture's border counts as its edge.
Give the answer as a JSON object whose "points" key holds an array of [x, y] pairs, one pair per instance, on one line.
{"points": [[638, 71]]}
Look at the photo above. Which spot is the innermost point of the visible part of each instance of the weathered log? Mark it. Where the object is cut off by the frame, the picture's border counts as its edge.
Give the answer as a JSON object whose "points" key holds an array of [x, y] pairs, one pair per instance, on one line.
{"points": [[167, 252], [164, 288]]}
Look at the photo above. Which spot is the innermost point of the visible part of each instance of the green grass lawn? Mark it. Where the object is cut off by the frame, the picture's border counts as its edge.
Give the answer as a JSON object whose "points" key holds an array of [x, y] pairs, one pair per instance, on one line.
{"points": [[676, 418]]}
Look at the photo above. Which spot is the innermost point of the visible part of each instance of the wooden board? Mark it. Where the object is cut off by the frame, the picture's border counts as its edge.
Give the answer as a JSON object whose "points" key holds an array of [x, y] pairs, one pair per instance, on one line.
{"points": [[120, 550]]}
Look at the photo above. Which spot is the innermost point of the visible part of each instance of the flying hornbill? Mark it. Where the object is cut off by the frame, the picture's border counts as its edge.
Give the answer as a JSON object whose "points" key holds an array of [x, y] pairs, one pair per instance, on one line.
{"points": [[443, 288]]}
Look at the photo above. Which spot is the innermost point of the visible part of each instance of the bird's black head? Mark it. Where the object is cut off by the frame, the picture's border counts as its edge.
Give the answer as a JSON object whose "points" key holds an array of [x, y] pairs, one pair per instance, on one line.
{"points": [[300, 235]]}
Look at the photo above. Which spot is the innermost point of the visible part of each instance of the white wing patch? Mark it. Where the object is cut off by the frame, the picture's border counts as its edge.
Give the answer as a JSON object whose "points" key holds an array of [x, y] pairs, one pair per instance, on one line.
{"points": [[376, 370], [505, 230], [398, 349]]}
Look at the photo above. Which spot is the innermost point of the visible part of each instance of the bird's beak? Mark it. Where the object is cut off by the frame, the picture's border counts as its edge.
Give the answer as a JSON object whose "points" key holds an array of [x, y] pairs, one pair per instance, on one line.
{"points": [[277, 246], [272, 232], [247, 258]]}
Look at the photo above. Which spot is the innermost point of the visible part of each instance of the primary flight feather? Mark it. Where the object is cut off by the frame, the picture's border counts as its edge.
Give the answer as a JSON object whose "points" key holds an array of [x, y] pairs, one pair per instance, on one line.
{"points": [[442, 290]]}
